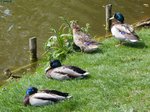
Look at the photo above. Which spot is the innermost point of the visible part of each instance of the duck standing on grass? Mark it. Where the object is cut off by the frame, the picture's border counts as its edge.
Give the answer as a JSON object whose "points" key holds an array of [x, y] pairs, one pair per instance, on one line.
{"points": [[122, 31], [83, 40], [39, 98], [59, 72]]}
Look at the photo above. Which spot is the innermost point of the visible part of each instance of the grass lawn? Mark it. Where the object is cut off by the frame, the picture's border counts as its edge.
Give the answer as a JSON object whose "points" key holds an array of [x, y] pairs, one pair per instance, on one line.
{"points": [[119, 81]]}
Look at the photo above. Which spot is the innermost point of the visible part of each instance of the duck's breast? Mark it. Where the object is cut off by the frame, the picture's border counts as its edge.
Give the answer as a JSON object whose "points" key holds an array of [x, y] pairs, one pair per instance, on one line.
{"points": [[117, 33], [78, 38], [48, 73]]}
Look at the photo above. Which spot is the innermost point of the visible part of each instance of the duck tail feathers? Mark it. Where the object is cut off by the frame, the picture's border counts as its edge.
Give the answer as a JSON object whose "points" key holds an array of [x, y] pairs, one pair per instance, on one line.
{"points": [[86, 73], [134, 41], [68, 97]]}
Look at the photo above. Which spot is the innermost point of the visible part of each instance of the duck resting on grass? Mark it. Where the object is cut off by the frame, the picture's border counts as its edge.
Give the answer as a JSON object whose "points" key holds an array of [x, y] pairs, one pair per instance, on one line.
{"points": [[63, 72], [7, 72], [43, 97], [122, 31], [83, 40]]}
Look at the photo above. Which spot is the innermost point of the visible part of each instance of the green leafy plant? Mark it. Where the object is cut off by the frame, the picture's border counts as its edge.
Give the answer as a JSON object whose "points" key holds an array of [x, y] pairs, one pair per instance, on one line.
{"points": [[60, 43]]}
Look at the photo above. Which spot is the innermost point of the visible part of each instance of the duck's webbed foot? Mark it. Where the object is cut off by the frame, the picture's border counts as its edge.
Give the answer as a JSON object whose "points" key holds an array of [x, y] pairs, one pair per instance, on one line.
{"points": [[82, 49]]}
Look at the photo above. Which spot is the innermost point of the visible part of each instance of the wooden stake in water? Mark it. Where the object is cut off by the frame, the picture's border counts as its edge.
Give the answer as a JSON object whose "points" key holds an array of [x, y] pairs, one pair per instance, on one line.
{"points": [[108, 10], [33, 49]]}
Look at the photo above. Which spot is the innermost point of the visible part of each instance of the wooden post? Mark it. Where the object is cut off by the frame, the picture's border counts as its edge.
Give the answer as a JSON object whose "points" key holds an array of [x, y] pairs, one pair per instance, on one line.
{"points": [[108, 9], [33, 49]]}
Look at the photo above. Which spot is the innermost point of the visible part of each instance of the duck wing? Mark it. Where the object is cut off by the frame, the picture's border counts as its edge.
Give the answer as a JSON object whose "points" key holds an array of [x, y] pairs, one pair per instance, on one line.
{"points": [[84, 35], [127, 31], [48, 97], [76, 69], [91, 42], [80, 36], [86, 39], [86, 42], [55, 92], [124, 28], [70, 71]]}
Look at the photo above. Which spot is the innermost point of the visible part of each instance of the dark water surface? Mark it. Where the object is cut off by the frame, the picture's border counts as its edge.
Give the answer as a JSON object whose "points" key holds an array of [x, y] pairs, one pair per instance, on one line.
{"points": [[22, 19]]}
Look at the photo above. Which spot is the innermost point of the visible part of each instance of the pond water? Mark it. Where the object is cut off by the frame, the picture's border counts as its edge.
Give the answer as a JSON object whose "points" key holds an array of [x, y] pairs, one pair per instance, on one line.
{"points": [[22, 19]]}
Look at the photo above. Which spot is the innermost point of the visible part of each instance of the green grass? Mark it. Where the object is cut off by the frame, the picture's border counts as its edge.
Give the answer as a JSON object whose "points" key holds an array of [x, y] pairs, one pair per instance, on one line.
{"points": [[119, 81]]}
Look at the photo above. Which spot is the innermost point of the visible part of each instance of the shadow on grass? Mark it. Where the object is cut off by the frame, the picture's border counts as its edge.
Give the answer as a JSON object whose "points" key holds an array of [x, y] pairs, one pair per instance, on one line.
{"points": [[96, 51], [77, 49], [82, 78], [139, 45]]}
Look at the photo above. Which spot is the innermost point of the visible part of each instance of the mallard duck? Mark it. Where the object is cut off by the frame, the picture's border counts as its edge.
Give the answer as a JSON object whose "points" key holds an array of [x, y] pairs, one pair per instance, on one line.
{"points": [[7, 72], [121, 30], [62, 72], [83, 40], [43, 97]]}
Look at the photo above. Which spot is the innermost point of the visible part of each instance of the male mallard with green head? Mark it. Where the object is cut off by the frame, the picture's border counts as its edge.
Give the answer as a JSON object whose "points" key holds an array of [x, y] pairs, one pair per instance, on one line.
{"points": [[39, 98], [63, 72], [121, 30], [83, 40]]}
